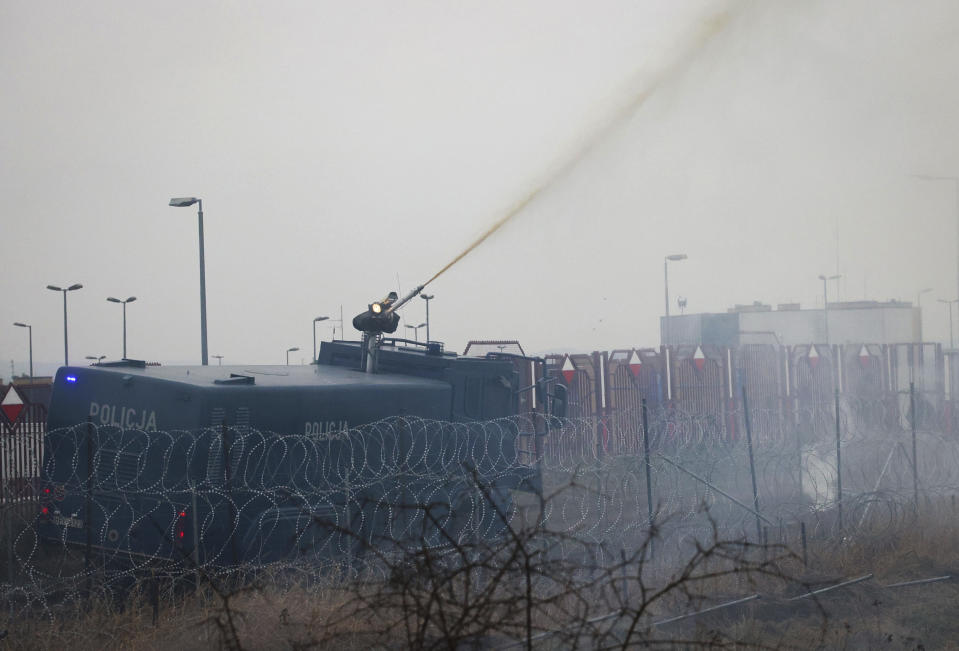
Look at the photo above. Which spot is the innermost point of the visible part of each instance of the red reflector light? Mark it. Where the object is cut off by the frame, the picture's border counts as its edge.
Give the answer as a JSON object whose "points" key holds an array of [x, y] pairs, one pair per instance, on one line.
{"points": [[46, 490], [44, 510], [182, 534], [182, 514]]}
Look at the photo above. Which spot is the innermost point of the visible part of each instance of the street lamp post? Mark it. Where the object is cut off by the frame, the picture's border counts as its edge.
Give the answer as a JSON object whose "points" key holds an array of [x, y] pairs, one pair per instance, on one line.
{"points": [[315, 321], [955, 180], [30, 331], [676, 257], [54, 288], [183, 202], [288, 351], [218, 358], [124, 304], [825, 301], [416, 331], [952, 340], [427, 298], [96, 358]]}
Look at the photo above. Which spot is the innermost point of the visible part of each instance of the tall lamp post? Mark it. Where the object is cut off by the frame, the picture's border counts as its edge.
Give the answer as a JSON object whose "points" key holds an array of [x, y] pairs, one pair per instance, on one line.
{"points": [[54, 288], [183, 202], [30, 331], [124, 304], [825, 301], [952, 340], [954, 180], [315, 321], [427, 298], [676, 257], [416, 331], [288, 351]]}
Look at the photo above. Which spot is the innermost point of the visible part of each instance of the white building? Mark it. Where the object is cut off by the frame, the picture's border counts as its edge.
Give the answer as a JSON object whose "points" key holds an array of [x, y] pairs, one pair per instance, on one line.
{"points": [[852, 322]]}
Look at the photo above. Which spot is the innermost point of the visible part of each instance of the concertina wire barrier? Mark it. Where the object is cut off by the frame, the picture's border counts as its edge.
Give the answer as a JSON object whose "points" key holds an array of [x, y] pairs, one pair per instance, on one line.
{"points": [[249, 501]]}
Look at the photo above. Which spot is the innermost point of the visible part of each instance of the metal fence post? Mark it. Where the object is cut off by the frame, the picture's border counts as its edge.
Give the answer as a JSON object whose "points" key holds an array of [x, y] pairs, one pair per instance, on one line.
{"points": [[599, 417], [915, 466], [649, 481], [752, 463], [798, 431], [838, 466]]}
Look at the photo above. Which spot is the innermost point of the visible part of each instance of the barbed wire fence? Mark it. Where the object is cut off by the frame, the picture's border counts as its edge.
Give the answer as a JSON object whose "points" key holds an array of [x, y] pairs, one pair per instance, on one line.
{"points": [[390, 502]]}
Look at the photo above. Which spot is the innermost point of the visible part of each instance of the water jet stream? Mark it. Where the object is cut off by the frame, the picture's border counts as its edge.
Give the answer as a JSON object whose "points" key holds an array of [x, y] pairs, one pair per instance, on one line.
{"points": [[708, 28]]}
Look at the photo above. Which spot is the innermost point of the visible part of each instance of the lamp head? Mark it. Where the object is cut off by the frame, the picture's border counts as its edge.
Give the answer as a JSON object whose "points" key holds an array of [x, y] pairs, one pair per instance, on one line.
{"points": [[54, 288], [183, 202], [21, 325], [74, 286], [676, 257]]}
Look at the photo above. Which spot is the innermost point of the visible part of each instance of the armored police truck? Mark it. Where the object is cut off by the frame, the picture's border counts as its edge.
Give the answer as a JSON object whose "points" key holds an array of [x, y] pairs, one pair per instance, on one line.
{"points": [[249, 464]]}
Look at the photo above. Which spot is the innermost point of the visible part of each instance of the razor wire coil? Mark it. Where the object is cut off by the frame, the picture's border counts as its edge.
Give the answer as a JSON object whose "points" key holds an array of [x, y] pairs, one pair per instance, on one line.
{"points": [[310, 503]]}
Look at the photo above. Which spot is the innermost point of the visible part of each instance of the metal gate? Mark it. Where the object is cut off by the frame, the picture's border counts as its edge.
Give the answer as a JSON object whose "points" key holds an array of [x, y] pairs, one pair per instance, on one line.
{"points": [[760, 369], [813, 379], [577, 371], [700, 390], [21, 446]]}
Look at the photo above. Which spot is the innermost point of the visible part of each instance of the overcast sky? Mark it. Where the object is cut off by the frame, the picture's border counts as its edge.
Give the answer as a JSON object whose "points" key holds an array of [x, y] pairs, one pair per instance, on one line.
{"points": [[342, 149]]}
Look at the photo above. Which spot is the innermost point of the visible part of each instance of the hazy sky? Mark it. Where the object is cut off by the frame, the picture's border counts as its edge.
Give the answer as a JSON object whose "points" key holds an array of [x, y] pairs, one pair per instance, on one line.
{"points": [[341, 148]]}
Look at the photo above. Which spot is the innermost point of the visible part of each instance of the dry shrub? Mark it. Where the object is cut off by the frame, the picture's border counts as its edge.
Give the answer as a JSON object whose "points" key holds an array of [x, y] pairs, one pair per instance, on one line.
{"points": [[532, 586]]}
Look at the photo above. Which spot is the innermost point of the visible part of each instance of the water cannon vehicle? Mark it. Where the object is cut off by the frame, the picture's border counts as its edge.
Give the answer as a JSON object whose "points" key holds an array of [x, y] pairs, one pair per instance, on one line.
{"points": [[237, 464]]}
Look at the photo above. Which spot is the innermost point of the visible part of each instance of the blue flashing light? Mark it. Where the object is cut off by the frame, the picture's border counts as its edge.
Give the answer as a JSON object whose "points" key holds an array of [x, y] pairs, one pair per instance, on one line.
{"points": [[71, 378]]}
